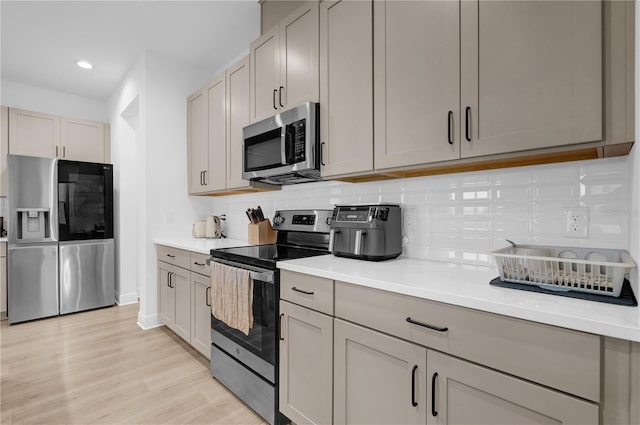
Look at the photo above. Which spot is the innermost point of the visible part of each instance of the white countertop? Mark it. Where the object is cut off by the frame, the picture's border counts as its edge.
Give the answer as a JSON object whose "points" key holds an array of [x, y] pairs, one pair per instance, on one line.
{"points": [[468, 286], [201, 245]]}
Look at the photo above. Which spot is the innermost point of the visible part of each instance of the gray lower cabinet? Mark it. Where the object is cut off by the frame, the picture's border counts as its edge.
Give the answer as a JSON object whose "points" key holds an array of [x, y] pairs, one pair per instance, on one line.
{"points": [[174, 298], [378, 379], [306, 363], [460, 392], [201, 314]]}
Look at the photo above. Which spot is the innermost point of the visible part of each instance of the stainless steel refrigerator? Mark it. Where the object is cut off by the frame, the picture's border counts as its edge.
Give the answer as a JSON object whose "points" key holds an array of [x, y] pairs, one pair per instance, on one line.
{"points": [[60, 230]]}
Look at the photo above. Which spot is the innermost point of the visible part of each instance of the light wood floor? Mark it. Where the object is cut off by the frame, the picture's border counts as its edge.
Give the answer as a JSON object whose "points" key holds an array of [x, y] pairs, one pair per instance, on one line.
{"points": [[99, 367]]}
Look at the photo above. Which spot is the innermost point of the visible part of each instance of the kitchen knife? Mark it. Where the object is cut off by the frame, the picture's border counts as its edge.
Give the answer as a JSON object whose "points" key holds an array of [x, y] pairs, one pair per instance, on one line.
{"points": [[260, 213], [248, 213]]}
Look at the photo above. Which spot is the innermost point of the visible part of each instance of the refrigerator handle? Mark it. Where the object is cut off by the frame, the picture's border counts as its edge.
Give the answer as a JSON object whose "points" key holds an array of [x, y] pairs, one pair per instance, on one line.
{"points": [[53, 196]]}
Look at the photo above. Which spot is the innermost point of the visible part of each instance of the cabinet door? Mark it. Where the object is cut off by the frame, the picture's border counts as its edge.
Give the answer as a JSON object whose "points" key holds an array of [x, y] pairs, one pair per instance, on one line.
{"points": [[531, 75], [346, 87], [200, 314], [265, 74], [238, 111], [34, 134], [299, 50], [306, 365], [166, 295], [82, 140], [417, 82], [181, 281], [215, 174], [197, 140], [469, 394], [378, 379], [4, 149]]}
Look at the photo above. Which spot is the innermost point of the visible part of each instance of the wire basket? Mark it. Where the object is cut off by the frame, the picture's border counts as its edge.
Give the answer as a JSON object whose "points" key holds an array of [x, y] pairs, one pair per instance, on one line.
{"points": [[596, 271]]}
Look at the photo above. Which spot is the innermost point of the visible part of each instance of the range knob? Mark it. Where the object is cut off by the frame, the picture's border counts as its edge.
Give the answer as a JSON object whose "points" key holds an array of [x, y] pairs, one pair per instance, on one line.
{"points": [[278, 219]]}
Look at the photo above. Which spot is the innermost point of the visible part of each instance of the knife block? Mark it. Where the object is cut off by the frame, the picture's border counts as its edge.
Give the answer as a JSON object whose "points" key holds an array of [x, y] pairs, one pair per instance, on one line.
{"points": [[262, 233]]}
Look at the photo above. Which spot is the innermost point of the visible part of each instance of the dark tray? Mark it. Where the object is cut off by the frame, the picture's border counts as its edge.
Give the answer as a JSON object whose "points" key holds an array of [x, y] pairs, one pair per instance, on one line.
{"points": [[626, 295]]}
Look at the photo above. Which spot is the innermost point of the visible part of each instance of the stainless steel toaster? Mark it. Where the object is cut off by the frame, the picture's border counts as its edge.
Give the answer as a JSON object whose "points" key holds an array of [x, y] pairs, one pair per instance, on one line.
{"points": [[366, 232]]}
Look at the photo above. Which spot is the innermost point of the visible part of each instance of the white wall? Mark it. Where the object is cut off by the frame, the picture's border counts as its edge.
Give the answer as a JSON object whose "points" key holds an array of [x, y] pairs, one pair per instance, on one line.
{"points": [[127, 133], [166, 209], [23, 96]]}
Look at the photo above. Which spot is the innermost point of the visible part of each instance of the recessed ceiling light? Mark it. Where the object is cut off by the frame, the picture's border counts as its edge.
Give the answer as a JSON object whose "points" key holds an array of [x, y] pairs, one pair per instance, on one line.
{"points": [[84, 64]]}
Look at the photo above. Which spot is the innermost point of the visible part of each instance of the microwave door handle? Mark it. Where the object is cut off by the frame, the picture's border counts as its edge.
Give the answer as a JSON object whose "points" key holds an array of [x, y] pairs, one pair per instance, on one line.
{"points": [[283, 144]]}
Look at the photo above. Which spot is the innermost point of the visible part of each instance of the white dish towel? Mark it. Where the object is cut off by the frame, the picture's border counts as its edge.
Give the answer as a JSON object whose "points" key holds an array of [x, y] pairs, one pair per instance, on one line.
{"points": [[232, 296]]}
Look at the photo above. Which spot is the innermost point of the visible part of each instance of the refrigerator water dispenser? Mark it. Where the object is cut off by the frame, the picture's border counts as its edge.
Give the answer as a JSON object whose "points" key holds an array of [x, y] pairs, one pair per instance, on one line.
{"points": [[32, 223]]}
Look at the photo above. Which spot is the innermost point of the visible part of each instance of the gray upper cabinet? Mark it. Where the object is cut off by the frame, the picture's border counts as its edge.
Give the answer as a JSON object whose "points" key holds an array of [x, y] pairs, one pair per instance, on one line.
{"points": [[416, 82], [34, 134], [531, 75], [215, 176], [50, 136], [4, 148], [82, 140], [464, 393], [284, 63], [197, 143], [346, 87], [237, 118]]}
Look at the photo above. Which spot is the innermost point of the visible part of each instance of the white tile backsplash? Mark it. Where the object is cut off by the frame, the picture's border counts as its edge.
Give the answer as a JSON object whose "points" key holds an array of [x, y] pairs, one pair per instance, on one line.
{"points": [[461, 217]]}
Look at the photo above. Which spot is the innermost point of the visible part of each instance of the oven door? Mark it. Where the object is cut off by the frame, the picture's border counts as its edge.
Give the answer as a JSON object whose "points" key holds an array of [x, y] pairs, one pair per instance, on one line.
{"points": [[257, 350]]}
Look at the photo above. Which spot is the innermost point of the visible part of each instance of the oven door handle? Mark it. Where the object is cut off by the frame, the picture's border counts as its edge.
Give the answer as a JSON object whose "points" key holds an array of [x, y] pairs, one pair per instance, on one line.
{"points": [[263, 276]]}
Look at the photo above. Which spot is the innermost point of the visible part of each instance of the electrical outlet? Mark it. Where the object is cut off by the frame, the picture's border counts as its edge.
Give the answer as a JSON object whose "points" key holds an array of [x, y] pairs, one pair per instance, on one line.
{"points": [[576, 222]]}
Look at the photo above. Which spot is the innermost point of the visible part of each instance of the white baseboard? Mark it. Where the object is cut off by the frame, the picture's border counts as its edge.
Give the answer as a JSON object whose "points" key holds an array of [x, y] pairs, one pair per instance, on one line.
{"points": [[149, 322], [124, 299]]}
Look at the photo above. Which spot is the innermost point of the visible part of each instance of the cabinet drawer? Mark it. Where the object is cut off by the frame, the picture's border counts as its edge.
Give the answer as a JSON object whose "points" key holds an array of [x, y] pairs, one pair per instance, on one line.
{"points": [[3, 249], [556, 357], [313, 292], [177, 257], [199, 264]]}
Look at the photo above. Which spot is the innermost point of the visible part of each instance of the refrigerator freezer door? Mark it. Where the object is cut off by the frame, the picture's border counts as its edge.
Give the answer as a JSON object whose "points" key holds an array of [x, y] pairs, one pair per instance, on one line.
{"points": [[87, 273], [33, 282]]}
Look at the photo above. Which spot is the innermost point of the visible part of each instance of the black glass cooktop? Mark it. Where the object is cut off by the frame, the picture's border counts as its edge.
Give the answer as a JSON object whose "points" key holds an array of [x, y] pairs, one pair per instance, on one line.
{"points": [[265, 255]]}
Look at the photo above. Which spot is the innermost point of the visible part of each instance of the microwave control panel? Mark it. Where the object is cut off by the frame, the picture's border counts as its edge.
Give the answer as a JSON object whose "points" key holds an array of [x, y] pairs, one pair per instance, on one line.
{"points": [[296, 138]]}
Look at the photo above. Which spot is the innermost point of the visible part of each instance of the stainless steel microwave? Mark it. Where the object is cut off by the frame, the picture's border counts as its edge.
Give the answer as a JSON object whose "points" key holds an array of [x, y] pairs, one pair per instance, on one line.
{"points": [[285, 148]]}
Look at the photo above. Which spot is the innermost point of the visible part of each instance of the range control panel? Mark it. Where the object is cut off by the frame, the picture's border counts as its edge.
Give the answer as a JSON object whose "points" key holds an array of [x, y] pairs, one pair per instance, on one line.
{"points": [[305, 220]]}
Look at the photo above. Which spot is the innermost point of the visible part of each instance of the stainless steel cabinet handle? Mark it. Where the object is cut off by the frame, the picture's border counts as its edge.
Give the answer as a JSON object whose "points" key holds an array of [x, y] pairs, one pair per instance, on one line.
{"points": [[64, 151], [207, 295], [450, 127], [467, 123], [206, 177], [274, 99], [170, 279], [280, 96], [359, 235], [424, 325], [332, 237], [171, 256], [56, 151], [198, 264], [302, 291]]}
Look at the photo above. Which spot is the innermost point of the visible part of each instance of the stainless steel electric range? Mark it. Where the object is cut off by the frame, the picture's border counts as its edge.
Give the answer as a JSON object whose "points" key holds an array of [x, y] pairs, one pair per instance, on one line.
{"points": [[248, 364]]}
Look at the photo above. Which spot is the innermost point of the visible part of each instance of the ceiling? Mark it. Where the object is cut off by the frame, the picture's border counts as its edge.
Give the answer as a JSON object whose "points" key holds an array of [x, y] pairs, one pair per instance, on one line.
{"points": [[40, 40]]}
